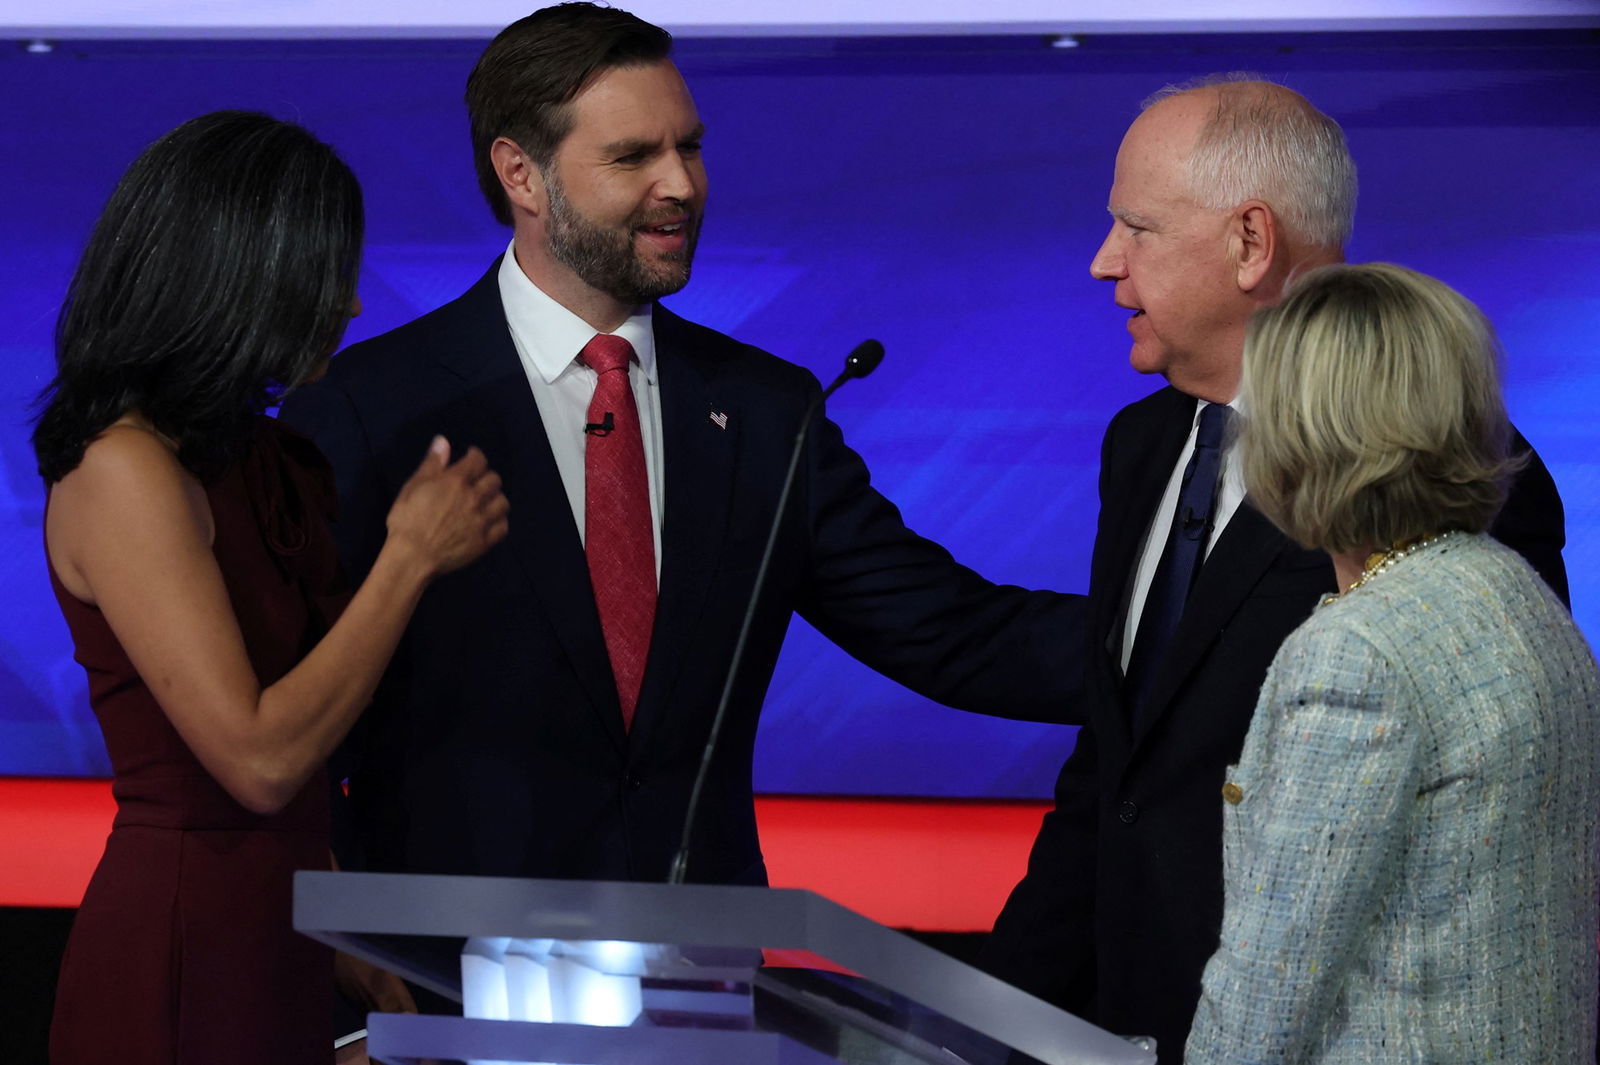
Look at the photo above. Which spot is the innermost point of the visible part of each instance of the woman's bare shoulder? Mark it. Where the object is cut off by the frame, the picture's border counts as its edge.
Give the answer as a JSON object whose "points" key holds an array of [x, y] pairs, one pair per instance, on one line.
{"points": [[128, 489]]}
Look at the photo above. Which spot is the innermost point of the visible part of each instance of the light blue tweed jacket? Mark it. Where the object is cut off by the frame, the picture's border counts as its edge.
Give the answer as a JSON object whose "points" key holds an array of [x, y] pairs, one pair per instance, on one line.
{"points": [[1409, 868]]}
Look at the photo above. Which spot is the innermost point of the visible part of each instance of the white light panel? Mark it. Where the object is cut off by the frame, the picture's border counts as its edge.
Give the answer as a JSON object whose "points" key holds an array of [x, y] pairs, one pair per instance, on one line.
{"points": [[58, 19]]}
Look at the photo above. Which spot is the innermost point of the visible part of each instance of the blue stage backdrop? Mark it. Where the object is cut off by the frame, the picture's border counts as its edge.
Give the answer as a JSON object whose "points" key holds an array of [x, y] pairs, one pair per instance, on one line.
{"points": [[943, 195]]}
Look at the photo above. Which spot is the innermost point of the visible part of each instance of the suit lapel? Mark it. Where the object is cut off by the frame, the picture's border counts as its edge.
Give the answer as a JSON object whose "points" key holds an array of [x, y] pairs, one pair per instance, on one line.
{"points": [[496, 410], [700, 454], [1141, 478], [1131, 491], [1249, 545]]}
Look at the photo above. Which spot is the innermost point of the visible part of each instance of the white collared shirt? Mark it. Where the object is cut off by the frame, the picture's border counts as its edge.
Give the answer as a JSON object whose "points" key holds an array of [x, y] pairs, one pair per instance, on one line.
{"points": [[548, 338], [1229, 495]]}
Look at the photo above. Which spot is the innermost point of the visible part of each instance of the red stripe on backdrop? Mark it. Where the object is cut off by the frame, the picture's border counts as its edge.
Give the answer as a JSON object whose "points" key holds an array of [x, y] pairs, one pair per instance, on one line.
{"points": [[51, 836], [933, 865], [940, 866]]}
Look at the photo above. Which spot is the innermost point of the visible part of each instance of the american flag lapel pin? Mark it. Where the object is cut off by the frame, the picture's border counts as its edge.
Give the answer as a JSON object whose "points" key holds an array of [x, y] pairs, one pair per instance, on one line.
{"points": [[719, 418]]}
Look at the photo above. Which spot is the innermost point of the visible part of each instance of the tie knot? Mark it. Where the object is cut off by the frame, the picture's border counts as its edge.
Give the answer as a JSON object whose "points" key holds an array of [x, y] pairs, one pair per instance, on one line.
{"points": [[1213, 424], [605, 353]]}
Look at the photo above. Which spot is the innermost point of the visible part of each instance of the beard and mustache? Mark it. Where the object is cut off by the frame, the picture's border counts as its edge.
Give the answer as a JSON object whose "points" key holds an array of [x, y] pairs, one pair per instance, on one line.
{"points": [[604, 257]]}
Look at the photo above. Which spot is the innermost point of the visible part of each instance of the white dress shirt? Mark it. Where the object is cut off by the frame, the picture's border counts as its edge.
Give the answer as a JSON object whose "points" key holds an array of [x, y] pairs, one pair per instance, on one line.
{"points": [[548, 338], [1229, 495]]}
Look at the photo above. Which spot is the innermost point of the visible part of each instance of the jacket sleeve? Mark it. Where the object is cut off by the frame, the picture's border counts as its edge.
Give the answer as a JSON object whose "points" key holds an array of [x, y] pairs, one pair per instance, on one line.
{"points": [[902, 605]]}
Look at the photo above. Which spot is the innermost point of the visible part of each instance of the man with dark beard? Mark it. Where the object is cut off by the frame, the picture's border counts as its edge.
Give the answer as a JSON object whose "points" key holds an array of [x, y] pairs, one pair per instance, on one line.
{"points": [[546, 713]]}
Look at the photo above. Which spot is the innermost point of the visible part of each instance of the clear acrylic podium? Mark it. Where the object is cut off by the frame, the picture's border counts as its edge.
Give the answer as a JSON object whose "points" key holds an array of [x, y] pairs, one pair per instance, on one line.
{"points": [[599, 973]]}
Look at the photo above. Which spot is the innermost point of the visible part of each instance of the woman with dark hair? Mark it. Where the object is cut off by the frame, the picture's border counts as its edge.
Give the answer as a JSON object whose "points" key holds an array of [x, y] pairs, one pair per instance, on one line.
{"points": [[189, 548], [1409, 836]]}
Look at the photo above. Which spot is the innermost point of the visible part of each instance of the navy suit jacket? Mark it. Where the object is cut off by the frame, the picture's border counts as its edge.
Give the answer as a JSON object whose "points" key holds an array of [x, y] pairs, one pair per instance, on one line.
{"points": [[495, 744], [1121, 906]]}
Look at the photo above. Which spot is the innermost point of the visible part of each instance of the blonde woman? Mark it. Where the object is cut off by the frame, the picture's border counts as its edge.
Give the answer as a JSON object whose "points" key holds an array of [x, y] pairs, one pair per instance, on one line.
{"points": [[1409, 835]]}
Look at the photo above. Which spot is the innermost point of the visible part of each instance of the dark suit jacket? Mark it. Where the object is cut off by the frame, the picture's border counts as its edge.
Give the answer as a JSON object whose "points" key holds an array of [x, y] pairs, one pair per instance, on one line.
{"points": [[495, 745], [1122, 902]]}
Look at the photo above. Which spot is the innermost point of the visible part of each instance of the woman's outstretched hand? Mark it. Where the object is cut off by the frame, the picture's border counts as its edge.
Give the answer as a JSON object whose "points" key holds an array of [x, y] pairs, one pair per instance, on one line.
{"points": [[450, 513]]}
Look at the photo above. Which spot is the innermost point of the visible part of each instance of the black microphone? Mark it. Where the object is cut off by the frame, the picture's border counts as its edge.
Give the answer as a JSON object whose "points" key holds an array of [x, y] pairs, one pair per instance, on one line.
{"points": [[601, 428], [862, 360]]}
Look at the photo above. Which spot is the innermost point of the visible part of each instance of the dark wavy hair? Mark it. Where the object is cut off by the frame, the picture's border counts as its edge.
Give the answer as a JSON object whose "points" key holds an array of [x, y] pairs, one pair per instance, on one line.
{"points": [[524, 82], [220, 273]]}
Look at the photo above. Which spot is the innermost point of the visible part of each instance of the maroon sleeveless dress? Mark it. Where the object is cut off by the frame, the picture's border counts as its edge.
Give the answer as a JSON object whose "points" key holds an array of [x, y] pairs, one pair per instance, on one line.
{"points": [[183, 951]]}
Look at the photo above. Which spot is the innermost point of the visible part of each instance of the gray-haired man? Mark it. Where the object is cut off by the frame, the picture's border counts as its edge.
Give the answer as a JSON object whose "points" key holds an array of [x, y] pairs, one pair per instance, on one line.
{"points": [[1223, 191]]}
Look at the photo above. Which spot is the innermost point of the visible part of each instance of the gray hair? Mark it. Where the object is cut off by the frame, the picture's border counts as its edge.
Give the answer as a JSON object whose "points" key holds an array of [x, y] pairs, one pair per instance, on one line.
{"points": [[1373, 412], [1265, 142]]}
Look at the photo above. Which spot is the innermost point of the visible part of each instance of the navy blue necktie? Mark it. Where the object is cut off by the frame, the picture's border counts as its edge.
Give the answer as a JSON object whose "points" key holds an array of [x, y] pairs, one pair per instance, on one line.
{"points": [[1180, 561]]}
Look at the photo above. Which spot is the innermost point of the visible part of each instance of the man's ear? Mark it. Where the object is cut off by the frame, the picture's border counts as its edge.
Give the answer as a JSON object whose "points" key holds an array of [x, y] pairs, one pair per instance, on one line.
{"points": [[519, 176], [1254, 242]]}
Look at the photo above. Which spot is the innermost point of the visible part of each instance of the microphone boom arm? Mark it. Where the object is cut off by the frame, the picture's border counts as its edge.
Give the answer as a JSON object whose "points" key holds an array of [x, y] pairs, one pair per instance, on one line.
{"points": [[862, 360]]}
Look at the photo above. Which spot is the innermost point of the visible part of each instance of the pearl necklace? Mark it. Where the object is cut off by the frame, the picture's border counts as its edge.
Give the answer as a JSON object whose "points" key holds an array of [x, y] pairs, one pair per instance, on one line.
{"points": [[1383, 561]]}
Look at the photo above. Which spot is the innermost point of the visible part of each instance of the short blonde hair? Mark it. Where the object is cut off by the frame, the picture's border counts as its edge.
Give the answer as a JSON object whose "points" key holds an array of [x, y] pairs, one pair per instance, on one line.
{"points": [[1373, 410]]}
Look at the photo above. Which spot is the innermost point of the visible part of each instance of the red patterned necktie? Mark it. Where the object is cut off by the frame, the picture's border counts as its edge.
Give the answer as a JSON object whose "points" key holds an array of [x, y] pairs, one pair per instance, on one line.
{"points": [[618, 537]]}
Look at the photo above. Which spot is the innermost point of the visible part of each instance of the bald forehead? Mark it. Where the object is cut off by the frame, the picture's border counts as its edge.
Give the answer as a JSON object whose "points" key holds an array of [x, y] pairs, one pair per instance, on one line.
{"points": [[1170, 127], [1161, 143], [1195, 105], [1152, 162], [1250, 102]]}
